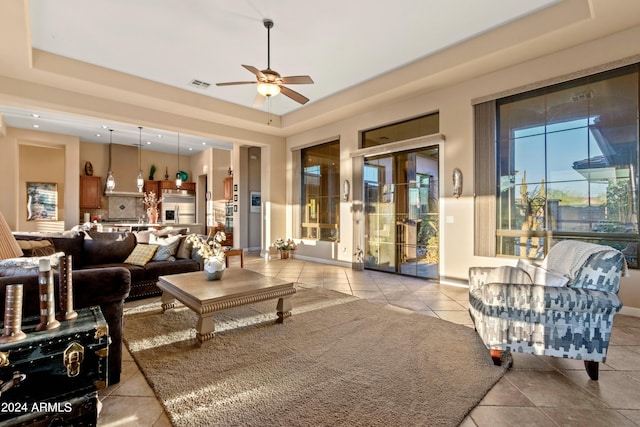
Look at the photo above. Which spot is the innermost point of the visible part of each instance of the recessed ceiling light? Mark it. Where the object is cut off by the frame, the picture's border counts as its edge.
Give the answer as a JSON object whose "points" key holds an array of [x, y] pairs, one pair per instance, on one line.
{"points": [[105, 127], [148, 142], [159, 136], [98, 135], [204, 143], [35, 115], [36, 126], [190, 148]]}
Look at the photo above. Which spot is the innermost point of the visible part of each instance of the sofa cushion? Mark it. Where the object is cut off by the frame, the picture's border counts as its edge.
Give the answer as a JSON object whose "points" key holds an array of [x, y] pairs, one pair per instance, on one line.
{"points": [[166, 247], [108, 249], [141, 254], [137, 272], [155, 269]]}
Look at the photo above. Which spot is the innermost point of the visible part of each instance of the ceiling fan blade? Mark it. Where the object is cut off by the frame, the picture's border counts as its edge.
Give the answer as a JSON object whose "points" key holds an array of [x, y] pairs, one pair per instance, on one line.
{"points": [[258, 101], [235, 83], [294, 95], [297, 80], [255, 71]]}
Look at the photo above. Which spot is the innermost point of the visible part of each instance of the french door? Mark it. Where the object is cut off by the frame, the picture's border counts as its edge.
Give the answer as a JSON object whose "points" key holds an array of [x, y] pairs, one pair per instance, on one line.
{"points": [[401, 212]]}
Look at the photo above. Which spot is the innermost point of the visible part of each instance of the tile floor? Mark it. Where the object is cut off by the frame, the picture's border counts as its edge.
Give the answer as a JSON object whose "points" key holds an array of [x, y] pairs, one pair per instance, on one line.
{"points": [[537, 391]]}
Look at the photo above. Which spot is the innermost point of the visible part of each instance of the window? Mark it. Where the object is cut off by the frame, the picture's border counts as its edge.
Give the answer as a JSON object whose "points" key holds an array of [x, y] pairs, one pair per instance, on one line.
{"points": [[567, 165], [408, 129], [320, 192]]}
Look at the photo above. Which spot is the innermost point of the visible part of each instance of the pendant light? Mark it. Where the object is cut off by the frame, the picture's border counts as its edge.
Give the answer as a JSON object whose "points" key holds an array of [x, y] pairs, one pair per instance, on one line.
{"points": [[140, 181], [111, 182], [179, 174]]}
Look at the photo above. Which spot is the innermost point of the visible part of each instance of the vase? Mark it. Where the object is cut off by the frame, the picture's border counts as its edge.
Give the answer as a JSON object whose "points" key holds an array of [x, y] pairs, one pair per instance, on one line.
{"points": [[214, 270], [284, 254], [214, 275], [152, 215]]}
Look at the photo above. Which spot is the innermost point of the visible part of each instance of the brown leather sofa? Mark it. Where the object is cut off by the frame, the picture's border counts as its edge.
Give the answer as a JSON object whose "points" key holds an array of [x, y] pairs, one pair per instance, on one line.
{"points": [[100, 277], [101, 250]]}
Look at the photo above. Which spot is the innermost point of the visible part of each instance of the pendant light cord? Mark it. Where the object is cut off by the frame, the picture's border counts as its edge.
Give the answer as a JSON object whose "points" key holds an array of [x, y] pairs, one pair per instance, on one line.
{"points": [[139, 150], [110, 141]]}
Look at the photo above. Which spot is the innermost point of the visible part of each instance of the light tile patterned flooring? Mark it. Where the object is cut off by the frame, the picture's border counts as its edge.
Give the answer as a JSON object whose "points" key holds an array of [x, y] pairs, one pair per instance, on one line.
{"points": [[537, 391]]}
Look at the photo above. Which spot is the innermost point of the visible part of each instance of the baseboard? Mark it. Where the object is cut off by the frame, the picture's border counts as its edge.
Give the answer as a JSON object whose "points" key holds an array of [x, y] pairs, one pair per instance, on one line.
{"points": [[630, 311], [453, 281], [321, 261]]}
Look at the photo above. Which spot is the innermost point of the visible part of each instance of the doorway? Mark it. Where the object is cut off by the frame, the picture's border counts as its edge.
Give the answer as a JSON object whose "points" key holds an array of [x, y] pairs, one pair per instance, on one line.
{"points": [[401, 205]]}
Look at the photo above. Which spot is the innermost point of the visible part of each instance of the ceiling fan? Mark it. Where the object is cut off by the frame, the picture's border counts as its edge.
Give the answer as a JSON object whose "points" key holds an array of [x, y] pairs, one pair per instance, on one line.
{"points": [[269, 81]]}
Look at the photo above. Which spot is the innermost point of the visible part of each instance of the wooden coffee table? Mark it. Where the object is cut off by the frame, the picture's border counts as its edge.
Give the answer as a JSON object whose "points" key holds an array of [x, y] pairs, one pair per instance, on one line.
{"points": [[237, 287]]}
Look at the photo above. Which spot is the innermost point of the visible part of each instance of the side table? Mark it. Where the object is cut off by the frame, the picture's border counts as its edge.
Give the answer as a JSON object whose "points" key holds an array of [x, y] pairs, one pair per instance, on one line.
{"points": [[234, 252]]}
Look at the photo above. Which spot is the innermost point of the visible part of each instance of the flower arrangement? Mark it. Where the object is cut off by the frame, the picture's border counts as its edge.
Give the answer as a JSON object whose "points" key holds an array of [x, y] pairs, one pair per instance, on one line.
{"points": [[284, 245], [151, 200], [210, 249]]}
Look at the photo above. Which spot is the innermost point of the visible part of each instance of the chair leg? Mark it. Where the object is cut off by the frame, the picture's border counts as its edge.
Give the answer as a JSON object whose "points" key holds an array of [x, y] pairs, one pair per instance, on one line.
{"points": [[592, 369], [495, 356], [501, 358]]}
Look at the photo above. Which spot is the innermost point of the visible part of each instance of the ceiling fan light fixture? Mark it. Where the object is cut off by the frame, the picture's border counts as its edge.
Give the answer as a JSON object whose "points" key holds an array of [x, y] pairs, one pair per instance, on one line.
{"points": [[268, 89]]}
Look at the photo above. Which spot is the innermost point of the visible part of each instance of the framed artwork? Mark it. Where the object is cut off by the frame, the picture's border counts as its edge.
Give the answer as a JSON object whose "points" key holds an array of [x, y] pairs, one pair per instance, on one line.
{"points": [[42, 201], [255, 202]]}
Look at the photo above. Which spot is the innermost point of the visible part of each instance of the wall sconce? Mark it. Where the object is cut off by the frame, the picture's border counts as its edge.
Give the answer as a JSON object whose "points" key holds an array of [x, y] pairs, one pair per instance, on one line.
{"points": [[457, 183], [346, 187]]}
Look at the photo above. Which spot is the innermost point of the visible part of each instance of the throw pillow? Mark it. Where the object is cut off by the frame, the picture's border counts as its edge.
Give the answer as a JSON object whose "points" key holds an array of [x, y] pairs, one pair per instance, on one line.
{"points": [[141, 254], [184, 248], [166, 247], [508, 275], [32, 248], [541, 276], [142, 236]]}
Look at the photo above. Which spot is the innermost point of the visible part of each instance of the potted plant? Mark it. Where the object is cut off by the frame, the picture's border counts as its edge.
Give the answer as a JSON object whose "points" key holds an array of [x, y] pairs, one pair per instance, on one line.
{"points": [[152, 171], [284, 247], [212, 253], [359, 260]]}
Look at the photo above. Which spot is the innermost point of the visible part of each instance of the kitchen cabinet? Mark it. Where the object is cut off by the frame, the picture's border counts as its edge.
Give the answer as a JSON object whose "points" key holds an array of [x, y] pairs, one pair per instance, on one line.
{"points": [[171, 185], [228, 188], [150, 186], [90, 192]]}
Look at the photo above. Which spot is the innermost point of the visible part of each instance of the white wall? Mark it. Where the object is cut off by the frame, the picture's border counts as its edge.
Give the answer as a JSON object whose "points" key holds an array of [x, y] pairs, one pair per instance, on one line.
{"points": [[456, 122]]}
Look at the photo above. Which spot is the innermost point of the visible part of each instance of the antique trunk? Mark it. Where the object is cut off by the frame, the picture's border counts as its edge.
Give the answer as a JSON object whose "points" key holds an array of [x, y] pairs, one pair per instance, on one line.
{"points": [[49, 368]]}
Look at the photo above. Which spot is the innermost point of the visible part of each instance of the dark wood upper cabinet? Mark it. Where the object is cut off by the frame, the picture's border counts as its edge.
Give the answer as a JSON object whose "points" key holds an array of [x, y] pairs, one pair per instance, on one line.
{"points": [[228, 188], [90, 192]]}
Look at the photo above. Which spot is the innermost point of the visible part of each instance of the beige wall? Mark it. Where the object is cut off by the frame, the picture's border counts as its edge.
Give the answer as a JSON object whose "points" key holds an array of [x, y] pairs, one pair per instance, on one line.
{"points": [[24, 158], [456, 122], [41, 164], [124, 163]]}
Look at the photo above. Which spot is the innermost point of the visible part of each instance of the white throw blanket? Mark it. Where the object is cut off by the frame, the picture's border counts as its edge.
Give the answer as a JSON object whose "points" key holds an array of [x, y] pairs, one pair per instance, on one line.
{"points": [[566, 257]]}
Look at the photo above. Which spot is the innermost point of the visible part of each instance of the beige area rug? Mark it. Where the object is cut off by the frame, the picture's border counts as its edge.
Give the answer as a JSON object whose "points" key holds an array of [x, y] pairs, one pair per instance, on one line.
{"points": [[338, 361]]}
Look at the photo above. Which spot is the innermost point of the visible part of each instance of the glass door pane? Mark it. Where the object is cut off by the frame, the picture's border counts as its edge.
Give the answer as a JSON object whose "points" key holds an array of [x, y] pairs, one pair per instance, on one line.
{"points": [[402, 218], [380, 218]]}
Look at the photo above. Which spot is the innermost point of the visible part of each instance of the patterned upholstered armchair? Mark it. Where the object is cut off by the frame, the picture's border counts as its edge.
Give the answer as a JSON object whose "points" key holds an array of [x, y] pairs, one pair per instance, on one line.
{"points": [[564, 307]]}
